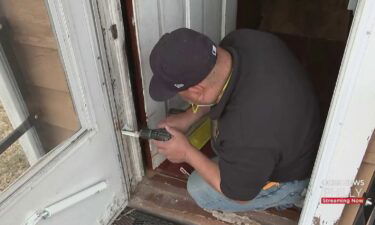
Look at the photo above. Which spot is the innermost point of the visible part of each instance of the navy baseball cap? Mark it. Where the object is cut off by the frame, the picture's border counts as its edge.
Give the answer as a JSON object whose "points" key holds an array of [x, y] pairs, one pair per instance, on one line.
{"points": [[179, 60]]}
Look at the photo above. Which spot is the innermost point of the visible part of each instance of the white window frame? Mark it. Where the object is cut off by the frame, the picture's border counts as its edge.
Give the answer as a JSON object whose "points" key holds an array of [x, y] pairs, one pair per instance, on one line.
{"points": [[73, 65], [350, 122]]}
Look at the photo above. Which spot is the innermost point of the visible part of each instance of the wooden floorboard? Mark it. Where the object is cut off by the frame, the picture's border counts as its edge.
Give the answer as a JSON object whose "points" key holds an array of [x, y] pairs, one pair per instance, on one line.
{"points": [[167, 197]]}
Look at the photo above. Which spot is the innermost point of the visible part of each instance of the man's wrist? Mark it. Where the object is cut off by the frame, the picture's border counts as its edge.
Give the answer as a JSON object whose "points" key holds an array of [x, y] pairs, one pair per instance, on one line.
{"points": [[190, 115], [190, 155]]}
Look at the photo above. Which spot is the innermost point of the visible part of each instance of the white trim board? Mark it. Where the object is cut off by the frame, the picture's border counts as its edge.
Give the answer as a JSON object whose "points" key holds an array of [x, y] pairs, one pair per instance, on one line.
{"points": [[119, 88], [350, 122]]}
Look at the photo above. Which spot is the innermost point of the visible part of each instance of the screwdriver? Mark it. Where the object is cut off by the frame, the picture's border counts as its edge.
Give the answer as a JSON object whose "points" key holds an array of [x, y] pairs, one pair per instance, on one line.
{"points": [[160, 134]]}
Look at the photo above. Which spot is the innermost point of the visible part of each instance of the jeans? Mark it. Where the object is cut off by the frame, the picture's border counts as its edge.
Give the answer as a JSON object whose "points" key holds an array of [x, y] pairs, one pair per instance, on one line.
{"points": [[282, 196]]}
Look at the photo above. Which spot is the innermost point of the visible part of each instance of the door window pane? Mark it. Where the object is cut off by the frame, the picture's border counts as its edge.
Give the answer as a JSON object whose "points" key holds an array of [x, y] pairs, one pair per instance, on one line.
{"points": [[31, 52], [13, 161]]}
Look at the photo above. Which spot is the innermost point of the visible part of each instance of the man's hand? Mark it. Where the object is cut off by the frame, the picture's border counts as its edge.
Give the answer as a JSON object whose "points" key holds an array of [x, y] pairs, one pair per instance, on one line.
{"points": [[180, 121], [183, 121], [177, 148]]}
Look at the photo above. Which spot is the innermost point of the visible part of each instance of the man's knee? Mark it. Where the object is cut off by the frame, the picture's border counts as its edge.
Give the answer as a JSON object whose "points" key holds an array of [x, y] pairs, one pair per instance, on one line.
{"points": [[198, 190], [194, 184]]}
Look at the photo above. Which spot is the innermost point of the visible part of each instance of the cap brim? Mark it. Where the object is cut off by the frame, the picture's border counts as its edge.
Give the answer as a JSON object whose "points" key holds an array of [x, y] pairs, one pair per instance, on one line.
{"points": [[158, 91]]}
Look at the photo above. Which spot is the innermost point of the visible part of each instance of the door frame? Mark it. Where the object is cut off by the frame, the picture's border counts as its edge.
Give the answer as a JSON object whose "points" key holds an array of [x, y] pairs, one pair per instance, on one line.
{"points": [[350, 122], [119, 86]]}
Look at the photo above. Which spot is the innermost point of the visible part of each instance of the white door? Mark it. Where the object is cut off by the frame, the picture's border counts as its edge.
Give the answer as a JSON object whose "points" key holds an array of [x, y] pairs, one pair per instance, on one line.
{"points": [[215, 18], [349, 125], [81, 180]]}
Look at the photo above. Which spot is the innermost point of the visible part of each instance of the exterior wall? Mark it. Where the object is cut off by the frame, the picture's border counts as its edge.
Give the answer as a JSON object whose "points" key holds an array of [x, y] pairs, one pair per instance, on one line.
{"points": [[365, 172], [37, 58]]}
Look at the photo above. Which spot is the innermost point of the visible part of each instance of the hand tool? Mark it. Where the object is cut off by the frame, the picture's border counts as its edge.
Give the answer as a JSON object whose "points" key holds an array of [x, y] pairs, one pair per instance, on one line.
{"points": [[160, 134]]}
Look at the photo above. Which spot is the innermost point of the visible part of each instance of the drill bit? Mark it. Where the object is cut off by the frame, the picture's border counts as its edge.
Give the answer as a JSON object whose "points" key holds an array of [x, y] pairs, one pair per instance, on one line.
{"points": [[157, 134]]}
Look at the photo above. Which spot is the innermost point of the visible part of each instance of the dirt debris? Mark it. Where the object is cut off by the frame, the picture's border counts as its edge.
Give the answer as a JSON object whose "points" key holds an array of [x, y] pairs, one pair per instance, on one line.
{"points": [[232, 218]]}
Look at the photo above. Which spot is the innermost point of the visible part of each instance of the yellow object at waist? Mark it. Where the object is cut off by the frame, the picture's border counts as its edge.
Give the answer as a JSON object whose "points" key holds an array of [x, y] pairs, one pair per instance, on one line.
{"points": [[270, 184]]}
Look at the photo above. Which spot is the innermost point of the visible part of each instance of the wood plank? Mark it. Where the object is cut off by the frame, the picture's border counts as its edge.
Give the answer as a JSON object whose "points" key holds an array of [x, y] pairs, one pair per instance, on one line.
{"points": [[348, 215], [370, 152], [369, 158], [29, 21], [371, 145], [41, 67], [365, 172], [55, 107], [169, 198]]}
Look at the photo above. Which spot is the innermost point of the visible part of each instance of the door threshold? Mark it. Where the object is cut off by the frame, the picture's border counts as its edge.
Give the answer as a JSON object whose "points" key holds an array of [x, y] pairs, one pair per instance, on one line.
{"points": [[167, 197]]}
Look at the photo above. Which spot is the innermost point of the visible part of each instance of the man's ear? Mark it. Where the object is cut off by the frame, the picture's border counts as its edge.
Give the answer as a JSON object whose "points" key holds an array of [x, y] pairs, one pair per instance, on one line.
{"points": [[195, 92], [192, 94]]}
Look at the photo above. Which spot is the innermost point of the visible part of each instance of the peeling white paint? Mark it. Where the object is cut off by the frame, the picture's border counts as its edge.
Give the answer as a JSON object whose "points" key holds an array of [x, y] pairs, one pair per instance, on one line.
{"points": [[232, 218], [112, 210]]}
